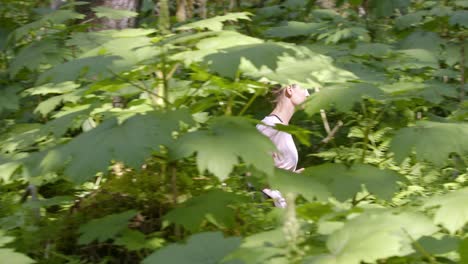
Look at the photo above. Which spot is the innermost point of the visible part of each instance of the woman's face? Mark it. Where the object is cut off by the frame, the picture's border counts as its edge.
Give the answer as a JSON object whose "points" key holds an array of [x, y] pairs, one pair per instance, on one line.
{"points": [[297, 94]]}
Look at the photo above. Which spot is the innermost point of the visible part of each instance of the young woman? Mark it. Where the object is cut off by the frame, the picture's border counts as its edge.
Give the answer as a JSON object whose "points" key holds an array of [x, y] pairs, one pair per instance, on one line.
{"points": [[287, 99]]}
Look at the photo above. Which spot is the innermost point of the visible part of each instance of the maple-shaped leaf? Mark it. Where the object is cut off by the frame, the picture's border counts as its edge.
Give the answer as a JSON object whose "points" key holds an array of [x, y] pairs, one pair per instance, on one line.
{"points": [[227, 61], [433, 91], [104, 228], [220, 147], [129, 142], [194, 211], [345, 182], [294, 28], [432, 141], [307, 68], [216, 23], [463, 250], [48, 105], [33, 55], [341, 97], [373, 235], [89, 67], [111, 13], [452, 211], [201, 248], [376, 50], [414, 59], [409, 20], [52, 88]]}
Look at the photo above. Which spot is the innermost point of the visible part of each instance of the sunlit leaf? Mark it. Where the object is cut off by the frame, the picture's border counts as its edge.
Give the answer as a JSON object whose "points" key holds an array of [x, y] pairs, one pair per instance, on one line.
{"points": [[294, 29], [375, 235], [453, 209], [102, 11], [216, 23], [14, 257]]}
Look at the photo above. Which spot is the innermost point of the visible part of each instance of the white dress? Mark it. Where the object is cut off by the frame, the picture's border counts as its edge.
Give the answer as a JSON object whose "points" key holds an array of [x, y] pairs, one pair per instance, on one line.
{"points": [[286, 157]]}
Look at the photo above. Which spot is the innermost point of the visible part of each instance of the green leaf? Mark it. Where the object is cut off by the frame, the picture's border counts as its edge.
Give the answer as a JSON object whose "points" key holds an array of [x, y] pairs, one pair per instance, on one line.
{"points": [[48, 105], [342, 97], [430, 41], [227, 61], [434, 92], [104, 228], [432, 141], [14, 257], [192, 213], [294, 29], [383, 8], [414, 59], [308, 69], [130, 142], [132, 240], [9, 100], [90, 68], [409, 20], [226, 140], [52, 88], [376, 50], [216, 23], [32, 56], [374, 235], [5, 239], [464, 251], [289, 182], [453, 209], [345, 182], [459, 18], [202, 248], [102, 11], [439, 246]]}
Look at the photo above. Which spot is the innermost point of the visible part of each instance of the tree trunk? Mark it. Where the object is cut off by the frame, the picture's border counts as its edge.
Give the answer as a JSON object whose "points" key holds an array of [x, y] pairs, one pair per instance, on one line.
{"points": [[189, 9], [181, 14], [130, 5], [203, 10], [164, 16]]}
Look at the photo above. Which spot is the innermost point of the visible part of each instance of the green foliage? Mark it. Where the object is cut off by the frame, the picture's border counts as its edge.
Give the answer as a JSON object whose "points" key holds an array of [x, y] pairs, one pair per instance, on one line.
{"points": [[237, 136], [206, 248], [110, 13], [104, 228], [452, 212], [215, 23], [426, 136], [214, 204], [375, 235]]}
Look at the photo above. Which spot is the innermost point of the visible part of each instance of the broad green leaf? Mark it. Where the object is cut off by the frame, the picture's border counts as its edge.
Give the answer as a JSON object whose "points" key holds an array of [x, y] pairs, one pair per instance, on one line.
{"points": [[345, 182], [130, 142], [52, 88], [459, 18], [13, 257], [5, 239], [409, 20], [102, 11], [9, 100], [374, 235], [202, 248], [289, 182], [414, 59], [215, 23], [453, 209], [432, 141], [32, 56], [104, 228], [48, 105], [90, 68], [439, 246], [294, 29], [132, 240], [430, 41], [377, 50], [464, 251], [341, 97], [383, 8], [227, 61], [215, 203], [431, 91], [220, 147], [311, 70]]}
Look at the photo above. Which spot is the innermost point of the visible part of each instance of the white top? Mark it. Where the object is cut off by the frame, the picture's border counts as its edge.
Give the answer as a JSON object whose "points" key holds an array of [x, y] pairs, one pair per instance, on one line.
{"points": [[287, 156]]}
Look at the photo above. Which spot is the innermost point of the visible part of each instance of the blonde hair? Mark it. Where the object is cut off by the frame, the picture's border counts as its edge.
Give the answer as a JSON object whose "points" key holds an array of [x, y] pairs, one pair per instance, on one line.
{"points": [[276, 91]]}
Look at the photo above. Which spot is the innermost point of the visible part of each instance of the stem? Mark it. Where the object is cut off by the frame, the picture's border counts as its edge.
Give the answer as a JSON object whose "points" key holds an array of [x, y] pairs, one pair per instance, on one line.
{"points": [[366, 134], [174, 194], [252, 99], [462, 69]]}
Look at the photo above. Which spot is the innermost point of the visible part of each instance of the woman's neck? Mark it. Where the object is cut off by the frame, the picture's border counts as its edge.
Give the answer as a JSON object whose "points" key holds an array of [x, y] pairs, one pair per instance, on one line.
{"points": [[284, 110]]}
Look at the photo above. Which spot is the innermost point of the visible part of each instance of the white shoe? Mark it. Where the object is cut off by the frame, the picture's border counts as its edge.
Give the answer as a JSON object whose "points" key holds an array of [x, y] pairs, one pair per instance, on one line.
{"points": [[276, 196]]}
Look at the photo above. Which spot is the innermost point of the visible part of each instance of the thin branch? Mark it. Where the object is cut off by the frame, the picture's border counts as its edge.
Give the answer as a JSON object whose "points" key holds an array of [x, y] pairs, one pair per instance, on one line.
{"points": [[326, 125], [252, 99], [332, 132]]}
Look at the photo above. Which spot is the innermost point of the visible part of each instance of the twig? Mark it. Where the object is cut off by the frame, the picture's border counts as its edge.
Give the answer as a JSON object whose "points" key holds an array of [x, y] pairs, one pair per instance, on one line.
{"points": [[326, 125], [332, 132]]}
